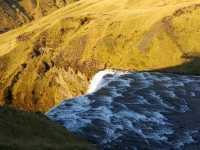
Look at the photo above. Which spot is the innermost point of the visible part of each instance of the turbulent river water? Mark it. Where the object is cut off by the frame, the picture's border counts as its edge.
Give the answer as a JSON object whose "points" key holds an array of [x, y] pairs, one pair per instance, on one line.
{"points": [[133, 111]]}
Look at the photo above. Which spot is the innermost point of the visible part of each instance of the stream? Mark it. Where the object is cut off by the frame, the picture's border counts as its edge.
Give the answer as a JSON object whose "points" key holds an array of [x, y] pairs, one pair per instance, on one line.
{"points": [[134, 111]]}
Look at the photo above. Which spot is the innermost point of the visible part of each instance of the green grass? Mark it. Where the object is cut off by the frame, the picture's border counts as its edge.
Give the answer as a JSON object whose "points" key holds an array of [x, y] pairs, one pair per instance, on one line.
{"points": [[33, 131]]}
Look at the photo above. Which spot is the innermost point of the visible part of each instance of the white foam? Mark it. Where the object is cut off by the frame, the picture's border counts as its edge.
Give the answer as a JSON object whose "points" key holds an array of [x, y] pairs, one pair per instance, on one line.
{"points": [[170, 94], [98, 82], [131, 114], [141, 100], [186, 139], [102, 113], [192, 94], [112, 114], [157, 118]]}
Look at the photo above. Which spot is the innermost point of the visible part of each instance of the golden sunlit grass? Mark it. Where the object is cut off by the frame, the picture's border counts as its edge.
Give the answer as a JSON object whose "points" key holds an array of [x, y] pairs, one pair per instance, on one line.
{"points": [[15, 13], [52, 58]]}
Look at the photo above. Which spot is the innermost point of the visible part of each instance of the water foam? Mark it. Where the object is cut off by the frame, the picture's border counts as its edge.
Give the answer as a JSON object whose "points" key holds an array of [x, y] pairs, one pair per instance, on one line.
{"points": [[122, 107], [98, 80]]}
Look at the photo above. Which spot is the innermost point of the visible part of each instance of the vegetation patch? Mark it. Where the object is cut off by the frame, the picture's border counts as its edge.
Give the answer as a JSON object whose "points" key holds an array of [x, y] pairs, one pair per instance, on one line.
{"points": [[54, 58], [34, 131]]}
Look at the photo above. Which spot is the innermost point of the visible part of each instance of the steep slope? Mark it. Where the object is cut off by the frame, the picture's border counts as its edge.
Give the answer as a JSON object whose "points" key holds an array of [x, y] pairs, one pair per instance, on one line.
{"points": [[14, 13], [31, 131], [54, 58]]}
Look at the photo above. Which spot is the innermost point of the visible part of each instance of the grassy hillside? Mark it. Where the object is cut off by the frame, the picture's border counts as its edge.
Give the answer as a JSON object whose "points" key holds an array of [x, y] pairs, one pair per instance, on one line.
{"points": [[33, 131], [53, 58], [14, 13]]}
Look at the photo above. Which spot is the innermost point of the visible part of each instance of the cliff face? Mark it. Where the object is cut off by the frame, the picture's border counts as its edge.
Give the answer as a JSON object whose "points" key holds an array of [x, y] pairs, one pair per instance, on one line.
{"points": [[53, 58], [14, 13]]}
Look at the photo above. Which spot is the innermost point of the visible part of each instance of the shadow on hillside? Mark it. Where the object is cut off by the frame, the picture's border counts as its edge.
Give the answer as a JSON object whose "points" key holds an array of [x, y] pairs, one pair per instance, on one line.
{"points": [[190, 67], [15, 5]]}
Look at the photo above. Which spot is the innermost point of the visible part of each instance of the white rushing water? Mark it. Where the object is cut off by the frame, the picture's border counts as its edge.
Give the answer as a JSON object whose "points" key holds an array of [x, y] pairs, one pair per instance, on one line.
{"points": [[124, 110], [98, 80]]}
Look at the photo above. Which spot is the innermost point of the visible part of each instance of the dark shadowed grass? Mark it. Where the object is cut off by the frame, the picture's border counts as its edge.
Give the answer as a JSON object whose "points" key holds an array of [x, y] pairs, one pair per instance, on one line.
{"points": [[190, 67], [33, 131]]}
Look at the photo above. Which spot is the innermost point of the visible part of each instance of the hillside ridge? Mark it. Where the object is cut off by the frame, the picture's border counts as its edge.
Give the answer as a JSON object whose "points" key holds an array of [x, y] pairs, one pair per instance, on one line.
{"points": [[44, 62], [15, 13]]}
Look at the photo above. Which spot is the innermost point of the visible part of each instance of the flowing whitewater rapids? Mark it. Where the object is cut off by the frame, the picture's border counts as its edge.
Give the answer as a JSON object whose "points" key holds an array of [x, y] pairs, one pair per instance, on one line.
{"points": [[133, 111]]}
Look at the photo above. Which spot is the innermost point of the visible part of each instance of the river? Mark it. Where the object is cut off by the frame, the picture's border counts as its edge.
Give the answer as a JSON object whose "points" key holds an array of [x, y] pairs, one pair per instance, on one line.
{"points": [[130, 111]]}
